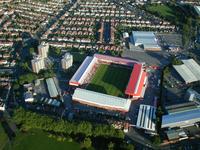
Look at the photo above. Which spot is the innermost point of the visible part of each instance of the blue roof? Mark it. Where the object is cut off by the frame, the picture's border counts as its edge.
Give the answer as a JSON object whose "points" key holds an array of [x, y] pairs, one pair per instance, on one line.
{"points": [[181, 118]]}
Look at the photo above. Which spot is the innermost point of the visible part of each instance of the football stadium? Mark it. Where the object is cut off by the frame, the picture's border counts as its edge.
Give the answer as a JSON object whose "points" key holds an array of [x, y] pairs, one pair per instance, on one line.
{"points": [[109, 82]]}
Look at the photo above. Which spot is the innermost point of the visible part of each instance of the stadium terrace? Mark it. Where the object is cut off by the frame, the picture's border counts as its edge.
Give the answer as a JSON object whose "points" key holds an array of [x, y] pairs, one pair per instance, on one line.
{"points": [[132, 81]]}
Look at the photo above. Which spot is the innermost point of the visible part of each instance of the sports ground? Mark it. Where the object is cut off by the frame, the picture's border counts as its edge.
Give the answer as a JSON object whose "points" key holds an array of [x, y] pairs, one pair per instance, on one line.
{"points": [[110, 79]]}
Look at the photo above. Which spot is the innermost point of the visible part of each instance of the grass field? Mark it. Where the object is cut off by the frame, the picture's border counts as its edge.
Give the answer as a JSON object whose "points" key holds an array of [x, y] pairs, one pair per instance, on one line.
{"points": [[162, 10], [39, 140], [3, 137], [110, 80], [169, 12]]}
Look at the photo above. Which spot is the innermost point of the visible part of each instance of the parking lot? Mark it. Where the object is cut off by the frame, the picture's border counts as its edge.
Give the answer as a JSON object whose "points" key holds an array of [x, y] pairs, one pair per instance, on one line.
{"points": [[151, 58]]}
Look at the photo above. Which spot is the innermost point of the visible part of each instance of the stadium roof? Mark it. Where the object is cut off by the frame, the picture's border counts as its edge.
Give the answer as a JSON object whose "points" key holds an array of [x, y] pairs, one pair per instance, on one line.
{"points": [[53, 92], [146, 117], [197, 8], [136, 81], [180, 119], [147, 39], [101, 100], [79, 73], [119, 60], [189, 70]]}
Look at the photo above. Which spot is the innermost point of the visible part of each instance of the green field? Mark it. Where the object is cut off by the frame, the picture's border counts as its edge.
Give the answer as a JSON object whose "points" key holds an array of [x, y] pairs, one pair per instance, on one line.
{"points": [[3, 137], [110, 80], [39, 140], [163, 10]]}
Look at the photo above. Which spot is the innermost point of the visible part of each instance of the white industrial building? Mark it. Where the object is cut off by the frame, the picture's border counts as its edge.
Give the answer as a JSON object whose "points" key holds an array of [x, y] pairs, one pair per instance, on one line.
{"points": [[146, 40], [67, 61], [146, 118], [37, 64], [189, 70], [43, 50]]}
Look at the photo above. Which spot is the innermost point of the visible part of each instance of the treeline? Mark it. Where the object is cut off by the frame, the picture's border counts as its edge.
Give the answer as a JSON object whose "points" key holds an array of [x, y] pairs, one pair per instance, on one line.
{"points": [[30, 120]]}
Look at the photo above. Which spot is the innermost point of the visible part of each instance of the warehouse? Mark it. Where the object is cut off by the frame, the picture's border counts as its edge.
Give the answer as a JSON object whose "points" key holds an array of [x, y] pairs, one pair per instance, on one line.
{"points": [[137, 82], [146, 117], [181, 118], [145, 39], [100, 100], [53, 92], [189, 70]]}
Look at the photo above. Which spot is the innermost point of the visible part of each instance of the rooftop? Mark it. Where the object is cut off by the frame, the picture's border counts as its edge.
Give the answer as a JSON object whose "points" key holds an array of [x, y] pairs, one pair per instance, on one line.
{"points": [[189, 70], [101, 100], [136, 81], [146, 117], [182, 118], [147, 39], [53, 92]]}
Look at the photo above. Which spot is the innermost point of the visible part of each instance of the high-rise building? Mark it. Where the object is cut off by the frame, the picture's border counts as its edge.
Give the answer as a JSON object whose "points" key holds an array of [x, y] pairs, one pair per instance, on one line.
{"points": [[67, 61], [37, 64], [43, 49]]}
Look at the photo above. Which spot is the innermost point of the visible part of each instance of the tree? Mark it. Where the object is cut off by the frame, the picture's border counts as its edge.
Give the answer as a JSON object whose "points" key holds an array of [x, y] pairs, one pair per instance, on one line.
{"points": [[87, 143], [27, 78], [111, 146], [31, 50], [156, 140]]}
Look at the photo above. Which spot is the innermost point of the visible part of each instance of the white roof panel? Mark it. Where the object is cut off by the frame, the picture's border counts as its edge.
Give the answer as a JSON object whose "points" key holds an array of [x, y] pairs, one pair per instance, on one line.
{"points": [[193, 66], [100, 99], [146, 117], [147, 39], [185, 73]]}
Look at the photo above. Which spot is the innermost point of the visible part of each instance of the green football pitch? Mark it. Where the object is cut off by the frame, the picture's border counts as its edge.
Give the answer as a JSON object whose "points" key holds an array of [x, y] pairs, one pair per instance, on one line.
{"points": [[110, 79]]}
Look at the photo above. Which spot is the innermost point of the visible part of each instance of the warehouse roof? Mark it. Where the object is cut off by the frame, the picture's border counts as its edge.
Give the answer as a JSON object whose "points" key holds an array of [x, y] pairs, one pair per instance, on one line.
{"points": [[136, 81], [182, 118], [146, 117], [189, 70], [101, 100], [147, 39], [53, 92], [77, 76]]}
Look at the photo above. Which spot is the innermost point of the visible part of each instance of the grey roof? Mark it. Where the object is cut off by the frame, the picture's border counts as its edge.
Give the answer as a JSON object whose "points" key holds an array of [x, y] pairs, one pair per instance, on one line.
{"points": [[53, 92], [189, 70], [193, 66], [102, 100], [180, 107], [146, 117], [147, 39], [181, 118]]}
